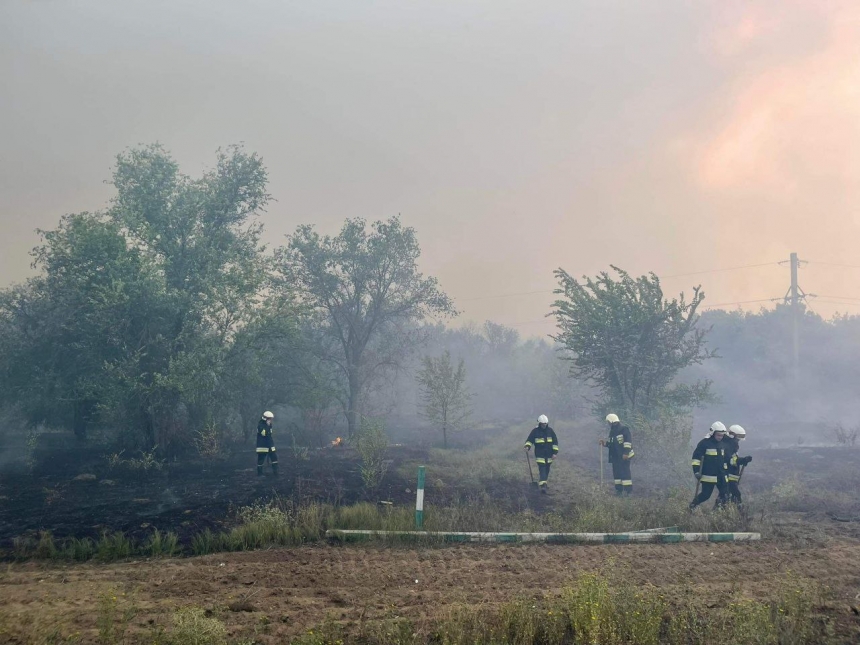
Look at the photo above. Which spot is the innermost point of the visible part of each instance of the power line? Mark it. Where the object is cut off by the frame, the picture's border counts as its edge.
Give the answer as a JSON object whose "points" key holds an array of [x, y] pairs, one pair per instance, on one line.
{"points": [[674, 275], [834, 297], [745, 266], [741, 302], [836, 302], [503, 295], [530, 322], [835, 264]]}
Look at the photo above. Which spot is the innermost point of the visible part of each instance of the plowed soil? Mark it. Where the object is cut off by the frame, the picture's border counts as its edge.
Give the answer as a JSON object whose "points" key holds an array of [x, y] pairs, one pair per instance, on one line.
{"points": [[273, 595]]}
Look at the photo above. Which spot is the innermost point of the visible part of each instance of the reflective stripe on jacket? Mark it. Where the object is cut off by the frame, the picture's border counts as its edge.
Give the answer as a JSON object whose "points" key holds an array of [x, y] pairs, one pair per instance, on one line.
{"points": [[545, 444]]}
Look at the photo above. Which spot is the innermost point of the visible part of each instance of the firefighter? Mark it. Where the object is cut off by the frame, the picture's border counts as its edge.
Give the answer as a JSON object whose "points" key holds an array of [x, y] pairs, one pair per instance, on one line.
{"points": [[546, 447], [620, 454], [736, 434], [709, 465], [266, 444]]}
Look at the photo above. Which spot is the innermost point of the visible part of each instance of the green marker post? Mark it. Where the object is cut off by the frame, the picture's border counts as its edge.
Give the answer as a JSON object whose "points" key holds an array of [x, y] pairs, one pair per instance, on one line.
{"points": [[419, 500]]}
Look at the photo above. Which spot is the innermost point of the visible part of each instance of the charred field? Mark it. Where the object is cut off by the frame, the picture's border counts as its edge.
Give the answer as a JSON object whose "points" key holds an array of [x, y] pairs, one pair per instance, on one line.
{"points": [[801, 499]]}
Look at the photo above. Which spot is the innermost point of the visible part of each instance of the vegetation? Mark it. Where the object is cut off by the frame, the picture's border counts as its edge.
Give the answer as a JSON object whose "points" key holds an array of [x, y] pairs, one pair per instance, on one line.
{"points": [[597, 608], [371, 443], [445, 397], [365, 291], [622, 335]]}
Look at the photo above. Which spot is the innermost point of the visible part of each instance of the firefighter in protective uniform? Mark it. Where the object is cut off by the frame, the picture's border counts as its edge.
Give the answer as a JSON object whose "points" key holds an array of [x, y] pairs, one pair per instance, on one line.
{"points": [[546, 447], [736, 434], [710, 467], [620, 453], [266, 444]]}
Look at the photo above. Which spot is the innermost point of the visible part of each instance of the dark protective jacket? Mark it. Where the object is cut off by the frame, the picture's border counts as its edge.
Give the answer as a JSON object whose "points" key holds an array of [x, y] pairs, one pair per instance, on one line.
{"points": [[619, 443], [264, 435], [709, 459], [545, 444], [733, 462]]}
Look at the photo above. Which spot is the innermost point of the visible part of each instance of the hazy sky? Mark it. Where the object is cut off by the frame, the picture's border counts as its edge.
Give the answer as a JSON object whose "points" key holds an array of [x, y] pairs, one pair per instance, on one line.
{"points": [[516, 137]]}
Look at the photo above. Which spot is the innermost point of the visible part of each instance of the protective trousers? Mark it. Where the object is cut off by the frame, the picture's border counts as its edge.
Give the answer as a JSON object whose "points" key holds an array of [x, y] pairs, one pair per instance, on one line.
{"points": [[708, 489], [735, 493], [543, 471], [262, 453], [621, 474]]}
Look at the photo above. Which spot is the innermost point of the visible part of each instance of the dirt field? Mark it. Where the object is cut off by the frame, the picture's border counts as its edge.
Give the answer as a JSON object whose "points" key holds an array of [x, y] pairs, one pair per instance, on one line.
{"points": [[272, 595]]}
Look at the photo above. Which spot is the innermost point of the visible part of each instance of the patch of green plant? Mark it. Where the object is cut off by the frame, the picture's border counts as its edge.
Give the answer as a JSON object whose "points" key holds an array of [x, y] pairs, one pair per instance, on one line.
{"points": [[208, 442], [161, 545], [146, 464], [191, 626], [205, 542], [46, 549], [113, 546], [371, 443], [115, 612], [601, 608], [78, 550]]}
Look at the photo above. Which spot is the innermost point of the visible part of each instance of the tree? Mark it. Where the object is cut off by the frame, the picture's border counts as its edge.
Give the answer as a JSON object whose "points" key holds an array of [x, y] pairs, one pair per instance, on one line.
{"points": [[135, 310], [366, 292], [623, 336], [445, 399], [92, 302], [202, 237]]}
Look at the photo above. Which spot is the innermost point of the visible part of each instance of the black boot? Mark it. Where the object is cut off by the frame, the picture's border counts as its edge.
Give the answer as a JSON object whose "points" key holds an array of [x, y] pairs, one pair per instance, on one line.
{"points": [[275, 469], [259, 471]]}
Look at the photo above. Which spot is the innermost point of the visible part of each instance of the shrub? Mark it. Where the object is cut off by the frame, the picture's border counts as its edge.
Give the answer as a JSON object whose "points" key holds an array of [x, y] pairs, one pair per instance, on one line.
{"points": [[207, 441], [372, 445]]}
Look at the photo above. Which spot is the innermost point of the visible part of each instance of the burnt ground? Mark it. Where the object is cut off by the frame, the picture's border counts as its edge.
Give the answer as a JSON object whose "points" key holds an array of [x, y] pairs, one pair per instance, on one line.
{"points": [[270, 595], [185, 497], [191, 495]]}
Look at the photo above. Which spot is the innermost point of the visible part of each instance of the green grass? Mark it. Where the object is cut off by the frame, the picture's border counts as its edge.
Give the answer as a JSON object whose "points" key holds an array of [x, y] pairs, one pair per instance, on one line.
{"points": [[162, 545], [602, 608], [283, 523]]}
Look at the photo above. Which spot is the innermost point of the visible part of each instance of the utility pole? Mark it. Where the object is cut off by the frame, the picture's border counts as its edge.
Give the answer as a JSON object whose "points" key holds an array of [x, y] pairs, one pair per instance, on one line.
{"points": [[793, 297]]}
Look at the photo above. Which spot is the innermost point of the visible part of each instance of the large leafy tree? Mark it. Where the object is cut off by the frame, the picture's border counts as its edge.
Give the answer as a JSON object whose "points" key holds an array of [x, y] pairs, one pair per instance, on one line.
{"points": [[622, 335], [136, 309], [365, 291], [202, 236], [93, 299]]}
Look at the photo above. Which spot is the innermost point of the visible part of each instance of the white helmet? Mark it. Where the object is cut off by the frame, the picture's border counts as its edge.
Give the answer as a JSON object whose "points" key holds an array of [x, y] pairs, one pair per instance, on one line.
{"points": [[542, 419], [718, 426], [737, 431], [268, 415], [612, 418]]}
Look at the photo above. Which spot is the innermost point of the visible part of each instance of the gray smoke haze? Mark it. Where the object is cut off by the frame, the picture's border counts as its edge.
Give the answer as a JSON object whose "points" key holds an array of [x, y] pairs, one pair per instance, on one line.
{"points": [[516, 137]]}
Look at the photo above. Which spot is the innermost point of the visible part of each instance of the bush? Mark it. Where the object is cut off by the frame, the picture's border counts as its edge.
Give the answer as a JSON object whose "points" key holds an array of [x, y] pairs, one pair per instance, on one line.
{"points": [[372, 444], [207, 441], [845, 436]]}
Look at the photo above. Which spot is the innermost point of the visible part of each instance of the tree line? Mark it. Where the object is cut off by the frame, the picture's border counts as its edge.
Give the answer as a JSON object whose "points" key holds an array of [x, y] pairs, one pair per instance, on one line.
{"points": [[164, 316]]}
